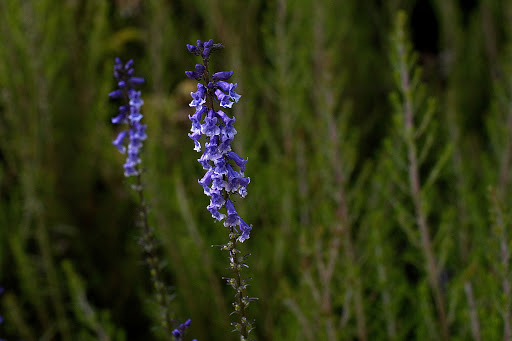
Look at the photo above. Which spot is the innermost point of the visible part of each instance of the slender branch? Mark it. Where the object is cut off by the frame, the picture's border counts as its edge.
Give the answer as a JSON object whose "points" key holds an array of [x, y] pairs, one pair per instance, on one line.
{"points": [[341, 236], [149, 244], [415, 187], [473, 315], [239, 284]]}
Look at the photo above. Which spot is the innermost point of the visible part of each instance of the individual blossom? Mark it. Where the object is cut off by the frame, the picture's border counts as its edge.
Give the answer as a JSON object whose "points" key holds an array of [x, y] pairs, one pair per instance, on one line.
{"points": [[130, 140]]}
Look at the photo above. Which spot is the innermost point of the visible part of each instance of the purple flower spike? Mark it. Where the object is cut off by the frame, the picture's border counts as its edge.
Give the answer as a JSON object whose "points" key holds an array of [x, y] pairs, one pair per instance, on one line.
{"points": [[129, 113], [179, 333], [221, 180], [224, 168]]}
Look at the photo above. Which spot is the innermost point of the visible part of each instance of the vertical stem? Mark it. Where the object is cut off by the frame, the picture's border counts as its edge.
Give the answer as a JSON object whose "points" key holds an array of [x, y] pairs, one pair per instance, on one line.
{"points": [[386, 296], [239, 285], [342, 235], [505, 259], [452, 32], [473, 315], [53, 280], [501, 233], [149, 246], [415, 188], [244, 327]]}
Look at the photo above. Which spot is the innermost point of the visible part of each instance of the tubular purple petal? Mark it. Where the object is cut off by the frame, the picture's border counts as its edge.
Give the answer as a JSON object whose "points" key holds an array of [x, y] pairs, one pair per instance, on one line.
{"points": [[198, 97], [216, 198], [209, 43], [121, 118], [200, 68], [224, 86], [232, 216], [128, 64], [245, 229], [223, 75], [118, 142], [223, 99], [240, 162], [234, 96], [218, 182], [193, 75], [220, 166], [207, 178], [215, 212], [136, 80], [116, 94]]}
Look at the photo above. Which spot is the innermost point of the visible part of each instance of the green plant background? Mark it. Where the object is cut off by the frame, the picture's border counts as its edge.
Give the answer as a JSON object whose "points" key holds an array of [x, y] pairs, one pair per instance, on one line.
{"points": [[337, 249]]}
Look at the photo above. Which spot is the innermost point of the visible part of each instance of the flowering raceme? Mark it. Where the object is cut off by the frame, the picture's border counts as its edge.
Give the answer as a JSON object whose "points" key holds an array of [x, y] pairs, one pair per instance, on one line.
{"points": [[224, 168], [218, 160], [129, 113]]}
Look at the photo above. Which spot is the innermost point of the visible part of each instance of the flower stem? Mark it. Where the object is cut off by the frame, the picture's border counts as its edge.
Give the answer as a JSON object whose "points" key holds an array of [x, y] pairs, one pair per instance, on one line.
{"points": [[244, 327], [149, 244]]}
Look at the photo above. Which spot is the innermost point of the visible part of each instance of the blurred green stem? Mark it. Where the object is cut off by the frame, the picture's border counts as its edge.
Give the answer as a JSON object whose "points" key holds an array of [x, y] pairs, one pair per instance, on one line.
{"points": [[414, 178], [149, 244]]}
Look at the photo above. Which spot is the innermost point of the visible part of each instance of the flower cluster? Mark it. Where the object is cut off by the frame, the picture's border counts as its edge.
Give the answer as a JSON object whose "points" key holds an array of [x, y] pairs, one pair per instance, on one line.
{"points": [[221, 179], [179, 332], [129, 113]]}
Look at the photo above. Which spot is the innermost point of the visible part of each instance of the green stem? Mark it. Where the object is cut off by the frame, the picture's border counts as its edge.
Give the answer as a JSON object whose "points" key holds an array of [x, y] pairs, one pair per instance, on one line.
{"points": [[149, 244], [244, 327], [415, 187]]}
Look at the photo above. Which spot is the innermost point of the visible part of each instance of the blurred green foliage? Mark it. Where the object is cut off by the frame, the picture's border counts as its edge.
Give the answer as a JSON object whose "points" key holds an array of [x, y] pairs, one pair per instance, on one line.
{"points": [[379, 148]]}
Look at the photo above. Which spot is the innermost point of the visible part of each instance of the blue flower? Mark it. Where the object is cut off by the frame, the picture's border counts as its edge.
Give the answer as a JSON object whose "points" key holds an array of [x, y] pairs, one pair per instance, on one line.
{"points": [[198, 97], [223, 75], [229, 88], [223, 99], [246, 229], [129, 114], [177, 334]]}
